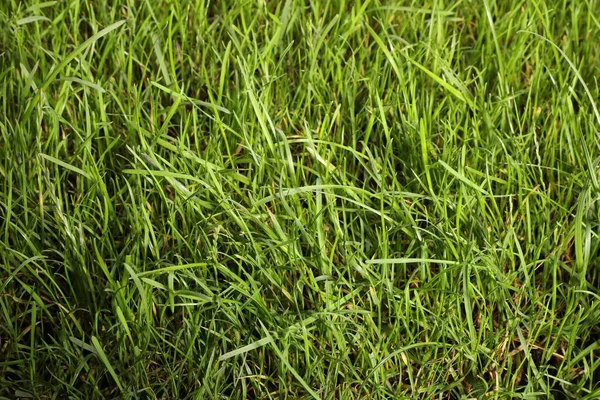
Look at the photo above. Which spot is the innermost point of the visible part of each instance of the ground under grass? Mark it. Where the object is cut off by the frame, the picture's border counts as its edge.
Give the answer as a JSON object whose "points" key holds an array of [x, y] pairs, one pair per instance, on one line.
{"points": [[299, 199]]}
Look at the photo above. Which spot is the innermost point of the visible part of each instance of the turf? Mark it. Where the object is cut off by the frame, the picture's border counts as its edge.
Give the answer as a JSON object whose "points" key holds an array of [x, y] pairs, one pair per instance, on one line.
{"points": [[300, 199]]}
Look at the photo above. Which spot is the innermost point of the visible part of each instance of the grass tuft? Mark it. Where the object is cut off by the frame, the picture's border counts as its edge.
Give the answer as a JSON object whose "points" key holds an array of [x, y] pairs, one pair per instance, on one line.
{"points": [[301, 199]]}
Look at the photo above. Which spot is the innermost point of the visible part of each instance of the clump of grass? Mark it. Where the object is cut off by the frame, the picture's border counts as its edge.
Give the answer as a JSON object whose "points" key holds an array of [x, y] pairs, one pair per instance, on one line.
{"points": [[299, 199]]}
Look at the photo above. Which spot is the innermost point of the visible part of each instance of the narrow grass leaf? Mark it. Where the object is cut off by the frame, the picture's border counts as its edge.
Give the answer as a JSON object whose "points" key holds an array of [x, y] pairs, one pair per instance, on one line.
{"points": [[106, 362], [247, 348], [409, 261], [83, 345], [462, 178], [172, 268], [65, 165], [190, 100], [189, 294], [85, 83], [33, 18], [160, 58]]}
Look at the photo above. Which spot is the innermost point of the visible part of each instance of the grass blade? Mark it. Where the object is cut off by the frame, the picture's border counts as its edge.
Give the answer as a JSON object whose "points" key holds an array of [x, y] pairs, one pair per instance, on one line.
{"points": [[106, 362], [247, 348], [64, 165]]}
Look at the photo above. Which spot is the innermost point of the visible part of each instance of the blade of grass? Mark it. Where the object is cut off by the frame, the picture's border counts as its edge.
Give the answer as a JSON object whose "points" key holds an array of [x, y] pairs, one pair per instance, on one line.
{"points": [[106, 362]]}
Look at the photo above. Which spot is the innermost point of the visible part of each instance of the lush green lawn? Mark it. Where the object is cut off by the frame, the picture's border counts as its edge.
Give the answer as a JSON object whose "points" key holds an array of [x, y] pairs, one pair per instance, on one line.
{"points": [[300, 199]]}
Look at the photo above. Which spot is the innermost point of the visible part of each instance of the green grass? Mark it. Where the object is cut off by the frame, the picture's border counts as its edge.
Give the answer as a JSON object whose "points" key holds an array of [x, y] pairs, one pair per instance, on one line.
{"points": [[293, 199]]}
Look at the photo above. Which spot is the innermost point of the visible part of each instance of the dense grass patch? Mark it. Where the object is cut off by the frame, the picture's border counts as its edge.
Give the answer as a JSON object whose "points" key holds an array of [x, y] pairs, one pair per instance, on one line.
{"points": [[300, 199]]}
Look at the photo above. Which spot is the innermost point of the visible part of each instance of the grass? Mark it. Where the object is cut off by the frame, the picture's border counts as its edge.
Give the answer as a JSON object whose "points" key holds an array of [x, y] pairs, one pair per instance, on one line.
{"points": [[301, 199]]}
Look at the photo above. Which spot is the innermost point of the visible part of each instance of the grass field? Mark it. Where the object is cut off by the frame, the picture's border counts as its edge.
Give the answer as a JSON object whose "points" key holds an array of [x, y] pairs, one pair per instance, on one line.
{"points": [[300, 199]]}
